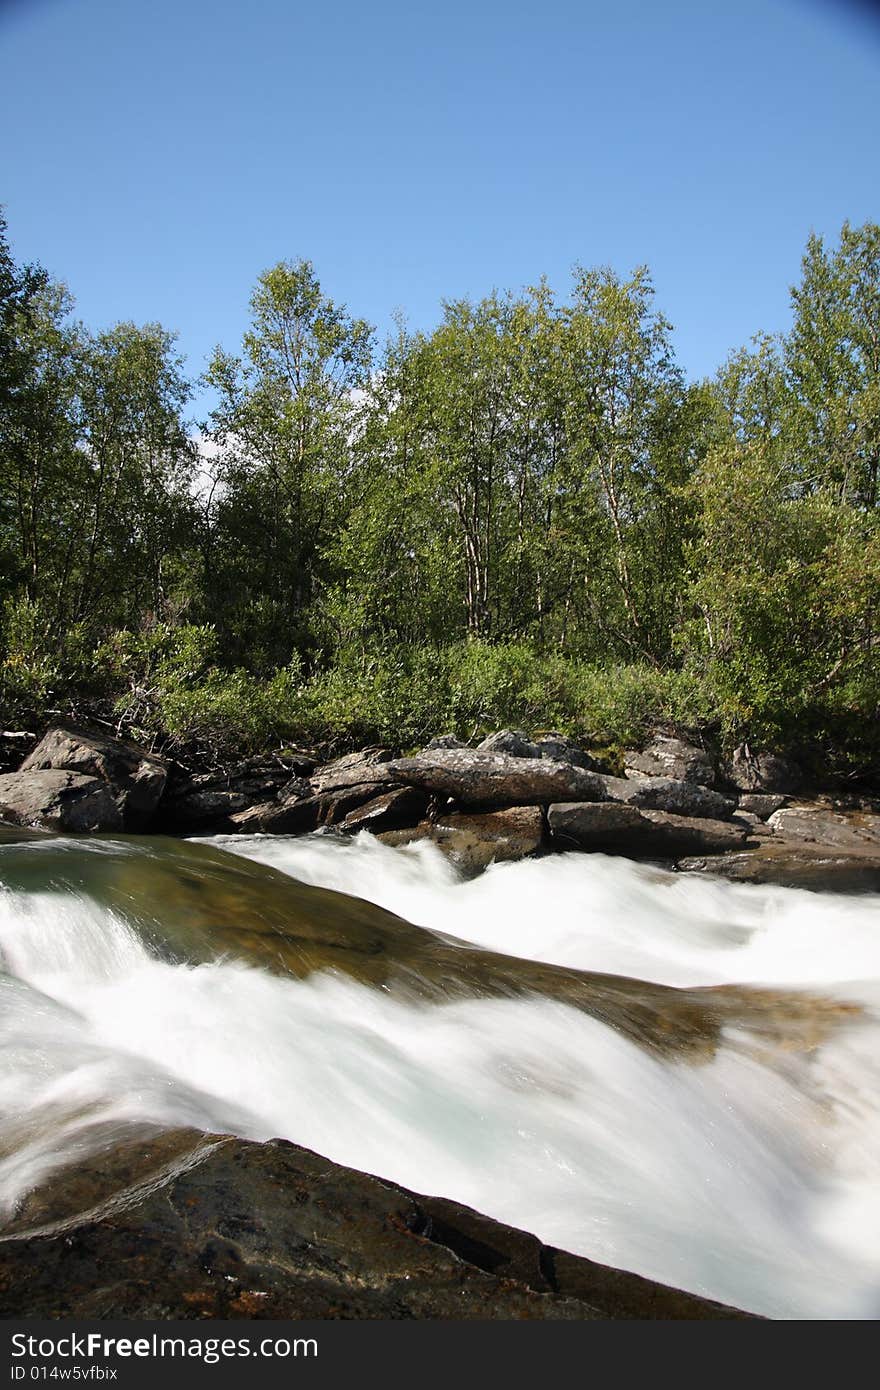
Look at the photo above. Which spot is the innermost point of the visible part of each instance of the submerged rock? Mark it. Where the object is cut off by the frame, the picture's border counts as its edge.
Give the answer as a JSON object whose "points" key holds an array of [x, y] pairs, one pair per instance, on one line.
{"points": [[223, 1228], [134, 778], [58, 800]]}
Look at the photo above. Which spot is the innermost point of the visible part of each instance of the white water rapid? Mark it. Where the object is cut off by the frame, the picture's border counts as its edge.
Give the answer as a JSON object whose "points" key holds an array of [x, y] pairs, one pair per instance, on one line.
{"points": [[750, 1179]]}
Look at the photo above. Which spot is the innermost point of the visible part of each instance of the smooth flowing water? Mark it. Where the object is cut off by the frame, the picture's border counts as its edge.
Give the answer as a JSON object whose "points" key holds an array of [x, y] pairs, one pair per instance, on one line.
{"points": [[723, 1140]]}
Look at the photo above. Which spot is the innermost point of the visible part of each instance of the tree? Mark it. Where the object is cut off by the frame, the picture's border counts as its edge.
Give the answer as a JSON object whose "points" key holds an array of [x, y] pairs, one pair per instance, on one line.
{"points": [[287, 411]]}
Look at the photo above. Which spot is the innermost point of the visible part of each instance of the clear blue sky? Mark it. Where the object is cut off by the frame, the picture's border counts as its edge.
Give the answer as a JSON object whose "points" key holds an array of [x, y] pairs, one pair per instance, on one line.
{"points": [[158, 156]]}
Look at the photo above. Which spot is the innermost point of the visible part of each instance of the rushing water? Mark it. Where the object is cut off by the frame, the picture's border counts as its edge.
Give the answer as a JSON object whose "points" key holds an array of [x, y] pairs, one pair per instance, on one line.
{"points": [[748, 1171]]}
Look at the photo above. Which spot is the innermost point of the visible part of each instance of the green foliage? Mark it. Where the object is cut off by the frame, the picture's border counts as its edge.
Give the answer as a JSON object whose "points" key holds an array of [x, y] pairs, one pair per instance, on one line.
{"points": [[525, 517]]}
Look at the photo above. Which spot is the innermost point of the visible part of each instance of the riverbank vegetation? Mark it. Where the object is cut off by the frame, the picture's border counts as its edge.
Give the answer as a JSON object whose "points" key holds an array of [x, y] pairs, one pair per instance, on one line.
{"points": [[527, 516]]}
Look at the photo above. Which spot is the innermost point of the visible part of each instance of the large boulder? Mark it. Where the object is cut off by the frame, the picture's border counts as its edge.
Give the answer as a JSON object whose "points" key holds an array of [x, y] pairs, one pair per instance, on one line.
{"points": [[488, 781], [553, 746], [134, 778], [671, 757], [186, 1226], [473, 842], [668, 794], [58, 800], [764, 772], [613, 828]]}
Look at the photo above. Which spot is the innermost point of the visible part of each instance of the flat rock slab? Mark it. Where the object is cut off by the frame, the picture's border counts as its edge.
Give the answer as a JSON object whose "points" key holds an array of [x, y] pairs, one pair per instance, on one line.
{"points": [[854, 832], [668, 794], [57, 800], [610, 828], [136, 778], [488, 781], [271, 1230], [475, 841], [790, 865]]}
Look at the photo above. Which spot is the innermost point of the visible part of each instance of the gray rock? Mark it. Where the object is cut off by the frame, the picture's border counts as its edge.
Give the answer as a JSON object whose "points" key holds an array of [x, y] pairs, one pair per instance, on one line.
{"points": [[211, 800], [764, 772], [511, 741], [474, 842], [562, 750], [760, 804], [444, 741], [57, 800], [828, 829], [486, 781], [355, 769], [612, 828], [670, 757], [136, 779], [668, 794]]}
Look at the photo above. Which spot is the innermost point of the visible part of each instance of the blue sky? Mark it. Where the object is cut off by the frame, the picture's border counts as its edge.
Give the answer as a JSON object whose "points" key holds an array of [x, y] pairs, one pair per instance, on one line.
{"points": [[158, 157]]}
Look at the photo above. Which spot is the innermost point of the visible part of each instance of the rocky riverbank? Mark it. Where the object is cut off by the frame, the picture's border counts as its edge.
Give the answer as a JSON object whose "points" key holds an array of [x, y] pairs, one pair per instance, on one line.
{"points": [[752, 818]]}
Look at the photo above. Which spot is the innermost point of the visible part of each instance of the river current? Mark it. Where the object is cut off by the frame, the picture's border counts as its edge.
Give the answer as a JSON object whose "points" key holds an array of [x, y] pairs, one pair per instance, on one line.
{"points": [[749, 1173]]}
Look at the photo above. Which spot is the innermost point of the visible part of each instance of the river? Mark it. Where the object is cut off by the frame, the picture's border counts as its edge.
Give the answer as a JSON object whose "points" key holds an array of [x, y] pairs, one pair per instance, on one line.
{"points": [[217, 984]]}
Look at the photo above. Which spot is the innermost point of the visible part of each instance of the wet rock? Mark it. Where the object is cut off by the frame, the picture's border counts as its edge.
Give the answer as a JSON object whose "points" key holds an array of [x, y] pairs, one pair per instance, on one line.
{"points": [[760, 804], [670, 757], [786, 865], [764, 772], [273, 1231], [135, 779], [474, 842], [668, 794], [58, 800], [615, 828], [487, 781]]}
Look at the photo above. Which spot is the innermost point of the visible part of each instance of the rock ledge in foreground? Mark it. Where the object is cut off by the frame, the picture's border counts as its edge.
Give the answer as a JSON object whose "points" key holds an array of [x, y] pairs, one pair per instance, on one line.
{"points": [[274, 1231]]}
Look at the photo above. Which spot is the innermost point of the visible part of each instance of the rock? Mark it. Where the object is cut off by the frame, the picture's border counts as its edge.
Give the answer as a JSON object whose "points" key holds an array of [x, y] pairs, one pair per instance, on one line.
{"points": [[562, 750], [668, 794], [487, 781], [135, 779], [210, 800], [512, 741], [827, 828], [443, 741], [274, 1231], [764, 772], [474, 842], [613, 828], [793, 866], [366, 767], [58, 800], [405, 806], [760, 804], [670, 757]]}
